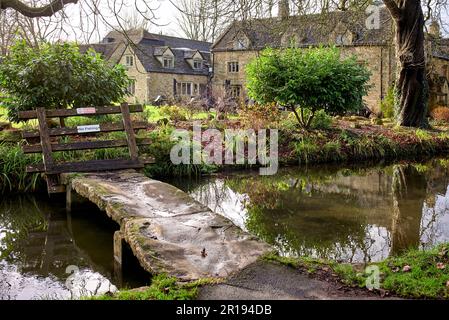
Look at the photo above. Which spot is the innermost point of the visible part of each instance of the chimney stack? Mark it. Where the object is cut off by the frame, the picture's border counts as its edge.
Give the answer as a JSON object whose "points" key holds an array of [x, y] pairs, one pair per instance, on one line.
{"points": [[284, 9], [434, 29]]}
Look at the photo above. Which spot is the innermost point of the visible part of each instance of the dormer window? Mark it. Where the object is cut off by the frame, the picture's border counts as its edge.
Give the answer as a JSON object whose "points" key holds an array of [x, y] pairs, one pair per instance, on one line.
{"points": [[197, 64], [129, 60], [168, 62]]}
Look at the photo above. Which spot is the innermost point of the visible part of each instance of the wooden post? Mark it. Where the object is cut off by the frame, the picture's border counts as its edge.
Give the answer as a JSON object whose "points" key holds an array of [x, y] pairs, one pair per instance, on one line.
{"points": [[130, 137], [68, 198], [52, 180], [45, 139], [118, 257]]}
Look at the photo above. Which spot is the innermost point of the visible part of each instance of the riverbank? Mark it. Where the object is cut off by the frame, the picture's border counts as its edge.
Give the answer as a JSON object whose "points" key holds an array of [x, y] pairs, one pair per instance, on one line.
{"points": [[415, 274], [348, 140]]}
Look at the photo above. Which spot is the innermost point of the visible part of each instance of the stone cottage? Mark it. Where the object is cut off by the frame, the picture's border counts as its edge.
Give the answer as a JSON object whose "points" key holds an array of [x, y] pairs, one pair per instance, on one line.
{"points": [[160, 67], [244, 40]]}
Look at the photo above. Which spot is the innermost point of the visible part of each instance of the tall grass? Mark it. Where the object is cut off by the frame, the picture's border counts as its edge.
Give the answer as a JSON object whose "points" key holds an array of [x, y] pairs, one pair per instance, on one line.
{"points": [[13, 176]]}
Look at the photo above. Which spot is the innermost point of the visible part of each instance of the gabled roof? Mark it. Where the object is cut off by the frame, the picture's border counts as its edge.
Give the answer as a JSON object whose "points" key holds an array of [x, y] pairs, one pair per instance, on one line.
{"points": [[147, 57], [147, 46], [159, 51], [106, 50], [190, 54], [315, 29], [134, 35]]}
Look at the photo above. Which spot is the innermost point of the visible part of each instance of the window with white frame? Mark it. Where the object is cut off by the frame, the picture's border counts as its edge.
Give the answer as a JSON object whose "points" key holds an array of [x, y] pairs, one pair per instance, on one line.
{"points": [[129, 60], [233, 67], [184, 88], [197, 64], [168, 62], [131, 87]]}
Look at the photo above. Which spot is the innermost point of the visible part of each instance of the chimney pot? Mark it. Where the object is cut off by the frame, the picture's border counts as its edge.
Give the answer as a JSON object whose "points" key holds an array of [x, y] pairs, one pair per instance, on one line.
{"points": [[284, 9], [434, 29]]}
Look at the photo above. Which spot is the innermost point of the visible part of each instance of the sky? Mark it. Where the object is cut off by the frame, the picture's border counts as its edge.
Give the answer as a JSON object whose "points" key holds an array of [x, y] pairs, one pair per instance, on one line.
{"points": [[167, 16], [165, 12]]}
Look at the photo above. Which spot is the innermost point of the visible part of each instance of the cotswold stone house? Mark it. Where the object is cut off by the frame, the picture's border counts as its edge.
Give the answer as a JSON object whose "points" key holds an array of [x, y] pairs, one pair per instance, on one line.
{"points": [[160, 66], [243, 41]]}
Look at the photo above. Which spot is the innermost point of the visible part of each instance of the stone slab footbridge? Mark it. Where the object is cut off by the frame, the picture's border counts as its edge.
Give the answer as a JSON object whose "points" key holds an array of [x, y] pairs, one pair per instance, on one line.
{"points": [[167, 230]]}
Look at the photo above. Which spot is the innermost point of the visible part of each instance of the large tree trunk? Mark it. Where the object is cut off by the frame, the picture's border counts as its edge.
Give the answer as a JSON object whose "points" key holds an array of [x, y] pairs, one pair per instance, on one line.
{"points": [[411, 84]]}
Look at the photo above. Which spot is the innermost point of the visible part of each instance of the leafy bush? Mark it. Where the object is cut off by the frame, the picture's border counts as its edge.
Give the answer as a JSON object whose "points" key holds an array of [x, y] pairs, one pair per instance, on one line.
{"points": [[440, 114], [175, 113], [388, 103], [313, 79], [321, 120], [58, 76]]}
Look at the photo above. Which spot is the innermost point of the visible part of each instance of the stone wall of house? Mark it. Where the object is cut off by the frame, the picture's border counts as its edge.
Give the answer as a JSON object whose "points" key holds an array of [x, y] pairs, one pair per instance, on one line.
{"points": [[138, 74], [439, 94], [221, 74], [379, 60], [163, 84], [149, 85]]}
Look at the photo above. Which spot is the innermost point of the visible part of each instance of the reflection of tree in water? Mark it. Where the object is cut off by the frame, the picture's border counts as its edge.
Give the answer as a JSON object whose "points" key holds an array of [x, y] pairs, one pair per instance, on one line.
{"points": [[37, 237], [293, 212], [418, 218], [18, 216], [410, 188], [435, 221], [37, 245], [353, 215]]}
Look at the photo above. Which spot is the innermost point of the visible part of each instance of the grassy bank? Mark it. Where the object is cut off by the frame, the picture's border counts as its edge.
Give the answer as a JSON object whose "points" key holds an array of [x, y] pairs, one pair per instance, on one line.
{"points": [[422, 274], [162, 287], [345, 143], [347, 139]]}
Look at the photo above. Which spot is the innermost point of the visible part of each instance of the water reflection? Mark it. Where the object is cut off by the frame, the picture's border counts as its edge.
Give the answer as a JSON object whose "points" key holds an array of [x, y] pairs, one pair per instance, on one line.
{"points": [[353, 214], [39, 241]]}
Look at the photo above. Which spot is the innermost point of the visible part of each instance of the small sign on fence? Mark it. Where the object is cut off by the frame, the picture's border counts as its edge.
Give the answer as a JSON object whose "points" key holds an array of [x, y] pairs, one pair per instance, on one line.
{"points": [[90, 128], [86, 111]]}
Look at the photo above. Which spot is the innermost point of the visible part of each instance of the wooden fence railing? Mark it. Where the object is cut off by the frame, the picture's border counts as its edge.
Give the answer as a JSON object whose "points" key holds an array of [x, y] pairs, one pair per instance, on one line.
{"points": [[49, 141]]}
